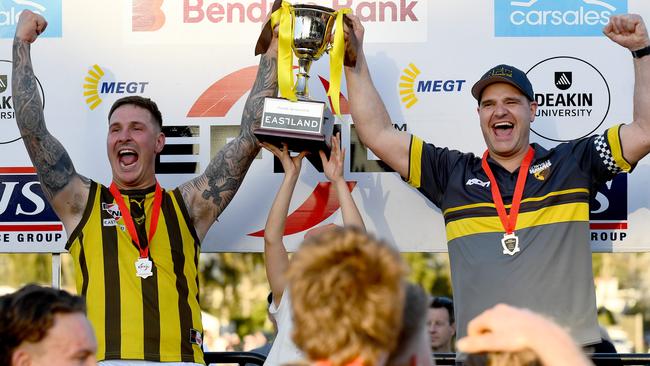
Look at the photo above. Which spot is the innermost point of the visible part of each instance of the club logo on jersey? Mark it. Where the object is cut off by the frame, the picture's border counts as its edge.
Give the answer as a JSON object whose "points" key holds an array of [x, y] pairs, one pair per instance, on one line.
{"points": [[115, 213], [541, 171], [196, 337]]}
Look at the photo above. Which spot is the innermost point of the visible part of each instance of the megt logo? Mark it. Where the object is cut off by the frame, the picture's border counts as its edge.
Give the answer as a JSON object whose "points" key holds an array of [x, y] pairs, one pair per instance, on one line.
{"points": [[567, 18], [95, 86]]}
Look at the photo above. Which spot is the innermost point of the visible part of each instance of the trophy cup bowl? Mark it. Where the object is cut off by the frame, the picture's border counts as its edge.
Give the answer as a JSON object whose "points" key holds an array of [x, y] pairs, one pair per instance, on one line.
{"points": [[305, 124]]}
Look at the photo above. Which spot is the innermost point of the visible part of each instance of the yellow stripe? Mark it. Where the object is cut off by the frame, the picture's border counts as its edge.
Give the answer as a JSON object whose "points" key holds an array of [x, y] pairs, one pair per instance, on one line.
{"points": [[415, 167], [531, 199], [570, 212], [131, 307], [189, 251], [614, 139], [168, 297], [95, 266]]}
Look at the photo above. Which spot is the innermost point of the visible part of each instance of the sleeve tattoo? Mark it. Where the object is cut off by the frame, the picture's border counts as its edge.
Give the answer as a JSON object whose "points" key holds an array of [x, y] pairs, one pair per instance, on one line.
{"points": [[52, 162], [226, 171]]}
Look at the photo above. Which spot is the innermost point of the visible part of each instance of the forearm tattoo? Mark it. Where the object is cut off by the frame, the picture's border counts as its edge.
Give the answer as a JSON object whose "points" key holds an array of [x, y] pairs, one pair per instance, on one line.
{"points": [[227, 169], [52, 162]]}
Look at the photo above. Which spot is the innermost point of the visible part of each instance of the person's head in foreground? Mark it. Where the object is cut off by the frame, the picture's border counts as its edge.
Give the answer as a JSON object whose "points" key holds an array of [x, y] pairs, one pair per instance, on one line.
{"points": [[513, 336], [45, 326], [347, 291], [413, 345]]}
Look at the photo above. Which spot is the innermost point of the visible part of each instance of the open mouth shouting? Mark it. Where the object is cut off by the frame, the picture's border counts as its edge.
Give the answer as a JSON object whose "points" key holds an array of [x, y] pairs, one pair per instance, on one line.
{"points": [[503, 129], [127, 157]]}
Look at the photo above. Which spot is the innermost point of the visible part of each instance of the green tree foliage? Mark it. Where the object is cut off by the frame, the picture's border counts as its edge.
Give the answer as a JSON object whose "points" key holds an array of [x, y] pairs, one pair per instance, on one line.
{"points": [[431, 271]]}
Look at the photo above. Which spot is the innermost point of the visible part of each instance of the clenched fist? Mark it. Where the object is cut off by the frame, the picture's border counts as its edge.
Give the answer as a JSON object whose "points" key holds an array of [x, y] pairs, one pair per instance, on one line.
{"points": [[627, 30], [30, 26]]}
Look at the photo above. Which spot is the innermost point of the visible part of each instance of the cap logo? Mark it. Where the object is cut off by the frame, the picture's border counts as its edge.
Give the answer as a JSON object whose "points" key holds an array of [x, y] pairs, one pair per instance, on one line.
{"points": [[502, 71]]}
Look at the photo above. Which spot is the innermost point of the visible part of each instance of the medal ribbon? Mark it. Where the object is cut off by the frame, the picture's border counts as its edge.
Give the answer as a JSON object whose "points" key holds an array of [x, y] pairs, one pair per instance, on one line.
{"points": [[508, 220], [128, 220]]}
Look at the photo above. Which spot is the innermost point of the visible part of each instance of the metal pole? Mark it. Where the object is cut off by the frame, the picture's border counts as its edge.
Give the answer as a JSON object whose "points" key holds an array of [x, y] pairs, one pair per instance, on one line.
{"points": [[56, 270]]}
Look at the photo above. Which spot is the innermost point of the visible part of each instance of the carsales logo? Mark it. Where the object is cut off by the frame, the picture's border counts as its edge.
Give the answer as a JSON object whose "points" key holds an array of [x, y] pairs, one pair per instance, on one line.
{"points": [[172, 22], [10, 12], [566, 18]]}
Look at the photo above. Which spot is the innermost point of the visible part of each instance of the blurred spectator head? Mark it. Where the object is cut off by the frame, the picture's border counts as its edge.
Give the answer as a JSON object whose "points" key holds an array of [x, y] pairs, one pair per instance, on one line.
{"points": [[413, 345], [45, 326], [441, 323], [347, 292]]}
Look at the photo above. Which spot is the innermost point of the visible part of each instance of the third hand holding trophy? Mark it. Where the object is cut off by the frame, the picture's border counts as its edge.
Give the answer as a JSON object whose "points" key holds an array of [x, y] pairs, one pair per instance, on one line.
{"points": [[296, 119]]}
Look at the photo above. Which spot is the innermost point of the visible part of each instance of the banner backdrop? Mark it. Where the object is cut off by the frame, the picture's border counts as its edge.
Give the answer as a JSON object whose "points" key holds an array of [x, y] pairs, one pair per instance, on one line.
{"points": [[195, 58]]}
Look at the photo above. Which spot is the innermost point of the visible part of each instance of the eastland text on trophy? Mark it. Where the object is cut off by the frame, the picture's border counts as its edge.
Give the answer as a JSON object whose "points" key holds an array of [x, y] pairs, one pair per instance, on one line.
{"points": [[306, 117]]}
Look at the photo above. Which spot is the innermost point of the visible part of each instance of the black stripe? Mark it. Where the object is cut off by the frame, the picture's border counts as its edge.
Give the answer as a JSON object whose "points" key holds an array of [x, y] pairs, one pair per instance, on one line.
{"points": [[178, 258], [150, 304], [151, 315], [525, 207], [186, 216], [180, 149], [83, 266], [113, 323], [408, 171], [84, 218]]}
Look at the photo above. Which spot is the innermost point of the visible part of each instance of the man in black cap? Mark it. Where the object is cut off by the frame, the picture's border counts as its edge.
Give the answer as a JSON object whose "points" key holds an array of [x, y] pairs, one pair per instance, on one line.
{"points": [[517, 219]]}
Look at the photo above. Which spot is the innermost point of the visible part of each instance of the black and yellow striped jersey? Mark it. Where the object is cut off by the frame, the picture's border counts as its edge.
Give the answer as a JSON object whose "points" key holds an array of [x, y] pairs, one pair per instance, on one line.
{"points": [[154, 319]]}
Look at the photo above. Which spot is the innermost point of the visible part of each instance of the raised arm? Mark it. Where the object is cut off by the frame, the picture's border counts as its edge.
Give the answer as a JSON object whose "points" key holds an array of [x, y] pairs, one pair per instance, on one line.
{"points": [[333, 168], [630, 32], [276, 259], [371, 119], [207, 195], [64, 189]]}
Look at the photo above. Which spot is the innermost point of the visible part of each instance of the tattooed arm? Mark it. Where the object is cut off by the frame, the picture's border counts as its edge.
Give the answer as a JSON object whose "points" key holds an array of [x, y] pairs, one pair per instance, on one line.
{"points": [[64, 189], [207, 195]]}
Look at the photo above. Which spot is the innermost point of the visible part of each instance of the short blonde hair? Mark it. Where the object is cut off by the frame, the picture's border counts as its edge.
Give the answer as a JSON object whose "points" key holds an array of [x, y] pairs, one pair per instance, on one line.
{"points": [[347, 292]]}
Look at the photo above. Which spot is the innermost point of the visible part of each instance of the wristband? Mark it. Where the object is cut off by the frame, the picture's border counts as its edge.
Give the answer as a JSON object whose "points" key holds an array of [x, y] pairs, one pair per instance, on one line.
{"points": [[642, 52]]}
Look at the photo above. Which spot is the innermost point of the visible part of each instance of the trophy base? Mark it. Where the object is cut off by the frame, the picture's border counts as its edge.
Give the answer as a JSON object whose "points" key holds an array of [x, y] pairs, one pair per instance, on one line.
{"points": [[302, 125], [296, 142]]}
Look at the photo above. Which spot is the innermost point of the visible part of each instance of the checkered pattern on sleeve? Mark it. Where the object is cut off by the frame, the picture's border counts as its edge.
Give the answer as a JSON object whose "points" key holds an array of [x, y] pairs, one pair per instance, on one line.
{"points": [[605, 153]]}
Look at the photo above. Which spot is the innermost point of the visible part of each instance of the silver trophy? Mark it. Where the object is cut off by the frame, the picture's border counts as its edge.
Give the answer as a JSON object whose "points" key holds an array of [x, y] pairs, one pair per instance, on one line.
{"points": [[305, 124]]}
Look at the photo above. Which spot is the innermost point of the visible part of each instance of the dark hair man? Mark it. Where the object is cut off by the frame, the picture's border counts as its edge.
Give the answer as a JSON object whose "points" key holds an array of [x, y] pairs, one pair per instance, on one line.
{"points": [[543, 260], [135, 245], [45, 326], [441, 324]]}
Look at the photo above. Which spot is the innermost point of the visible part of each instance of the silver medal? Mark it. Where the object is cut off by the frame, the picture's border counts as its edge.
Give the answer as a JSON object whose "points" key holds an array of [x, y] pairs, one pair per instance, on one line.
{"points": [[143, 268], [510, 243]]}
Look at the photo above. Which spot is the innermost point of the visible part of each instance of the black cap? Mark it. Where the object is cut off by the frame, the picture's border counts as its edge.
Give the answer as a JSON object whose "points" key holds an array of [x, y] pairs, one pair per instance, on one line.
{"points": [[504, 74]]}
